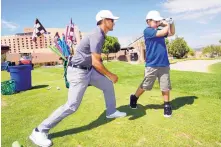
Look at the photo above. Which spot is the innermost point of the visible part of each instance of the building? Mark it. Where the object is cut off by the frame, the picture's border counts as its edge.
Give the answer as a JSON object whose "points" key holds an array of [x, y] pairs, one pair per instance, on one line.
{"points": [[139, 48], [134, 52], [40, 51]]}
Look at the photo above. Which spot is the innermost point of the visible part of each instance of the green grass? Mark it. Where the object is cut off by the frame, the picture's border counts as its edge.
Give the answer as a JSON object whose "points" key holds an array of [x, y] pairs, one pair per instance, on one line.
{"points": [[196, 117], [215, 68]]}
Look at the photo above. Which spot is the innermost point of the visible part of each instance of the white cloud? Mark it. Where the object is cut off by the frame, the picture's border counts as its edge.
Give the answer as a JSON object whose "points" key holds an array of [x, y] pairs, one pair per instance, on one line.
{"points": [[9, 25], [203, 21], [198, 14], [207, 38], [213, 31], [126, 40], [179, 6], [215, 36], [199, 10]]}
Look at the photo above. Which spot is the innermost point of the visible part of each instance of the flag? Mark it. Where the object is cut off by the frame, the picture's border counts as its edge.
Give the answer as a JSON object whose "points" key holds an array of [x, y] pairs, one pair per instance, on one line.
{"points": [[70, 36], [38, 30], [56, 35]]}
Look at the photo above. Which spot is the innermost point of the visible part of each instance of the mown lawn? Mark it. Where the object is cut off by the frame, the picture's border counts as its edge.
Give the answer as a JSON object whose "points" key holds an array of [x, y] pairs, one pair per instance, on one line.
{"points": [[196, 101], [216, 68]]}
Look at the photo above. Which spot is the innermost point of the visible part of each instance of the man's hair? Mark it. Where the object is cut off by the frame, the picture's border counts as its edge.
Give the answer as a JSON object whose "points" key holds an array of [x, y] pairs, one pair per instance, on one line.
{"points": [[99, 22], [148, 20]]}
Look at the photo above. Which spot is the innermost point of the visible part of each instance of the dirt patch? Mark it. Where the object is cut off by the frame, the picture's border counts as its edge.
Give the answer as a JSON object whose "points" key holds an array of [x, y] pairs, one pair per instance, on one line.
{"points": [[197, 142], [187, 136], [184, 135], [218, 143], [194, 65], [141, 141], [3, 103]]}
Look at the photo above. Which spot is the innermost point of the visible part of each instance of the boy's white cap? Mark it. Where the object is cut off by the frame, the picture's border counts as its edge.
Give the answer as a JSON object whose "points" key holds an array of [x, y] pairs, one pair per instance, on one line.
{"points": [[105, 14], [154, 15]]}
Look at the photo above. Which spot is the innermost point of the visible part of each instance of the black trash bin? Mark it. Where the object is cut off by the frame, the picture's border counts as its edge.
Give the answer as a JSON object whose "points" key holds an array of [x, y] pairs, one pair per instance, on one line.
{"points": [[133, 56]]}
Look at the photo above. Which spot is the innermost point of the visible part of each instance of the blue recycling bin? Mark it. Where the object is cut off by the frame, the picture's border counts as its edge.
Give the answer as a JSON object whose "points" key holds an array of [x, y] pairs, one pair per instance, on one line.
{"points": [[21, 74]]}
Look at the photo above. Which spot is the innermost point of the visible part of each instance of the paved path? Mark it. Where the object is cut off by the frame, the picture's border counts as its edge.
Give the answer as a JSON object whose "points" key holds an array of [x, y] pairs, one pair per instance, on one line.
{"points": [[194, 65]]}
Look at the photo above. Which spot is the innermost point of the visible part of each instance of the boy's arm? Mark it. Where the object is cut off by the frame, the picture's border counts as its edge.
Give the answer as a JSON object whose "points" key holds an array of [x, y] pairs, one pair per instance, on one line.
{"points": [[171, 30], [164, 31]]}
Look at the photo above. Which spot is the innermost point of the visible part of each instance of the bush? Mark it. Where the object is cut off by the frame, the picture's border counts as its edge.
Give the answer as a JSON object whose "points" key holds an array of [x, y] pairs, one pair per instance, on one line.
{"points": [[178, 48]]}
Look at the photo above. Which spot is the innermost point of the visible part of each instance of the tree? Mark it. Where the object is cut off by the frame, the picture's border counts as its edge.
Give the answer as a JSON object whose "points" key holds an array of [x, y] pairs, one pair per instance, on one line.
{"points": [[212, 50], [178, 48], [220, 41], [191, 52], [3, 57], [167, 41], [111, 45]]}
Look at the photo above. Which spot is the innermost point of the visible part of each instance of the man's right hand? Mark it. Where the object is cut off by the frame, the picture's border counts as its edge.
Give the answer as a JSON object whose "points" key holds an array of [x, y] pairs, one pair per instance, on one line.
{"points": [[98, 65], [113, 77]]}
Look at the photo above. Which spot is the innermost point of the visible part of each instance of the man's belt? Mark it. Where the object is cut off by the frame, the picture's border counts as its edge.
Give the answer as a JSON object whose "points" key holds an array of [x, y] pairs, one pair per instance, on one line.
{"points": [[79, 66]]}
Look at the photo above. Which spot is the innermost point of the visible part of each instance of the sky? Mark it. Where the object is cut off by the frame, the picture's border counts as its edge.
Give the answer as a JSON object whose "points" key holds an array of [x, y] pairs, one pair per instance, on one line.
{"points": [[198, 21]]}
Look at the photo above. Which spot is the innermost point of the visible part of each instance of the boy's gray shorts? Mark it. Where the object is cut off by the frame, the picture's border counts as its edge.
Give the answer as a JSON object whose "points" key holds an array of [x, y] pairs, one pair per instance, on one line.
{"points": [[163, 75]]}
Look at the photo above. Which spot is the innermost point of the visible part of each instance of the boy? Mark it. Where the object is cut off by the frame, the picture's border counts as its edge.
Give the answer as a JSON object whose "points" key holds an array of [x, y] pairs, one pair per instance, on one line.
{"points": [[157, 63]]}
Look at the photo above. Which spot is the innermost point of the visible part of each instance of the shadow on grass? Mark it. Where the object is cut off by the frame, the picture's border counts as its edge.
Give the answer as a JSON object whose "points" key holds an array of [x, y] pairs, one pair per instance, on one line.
{"points": [[39, 86], [98, 122], [131, 113], [176, 103]]}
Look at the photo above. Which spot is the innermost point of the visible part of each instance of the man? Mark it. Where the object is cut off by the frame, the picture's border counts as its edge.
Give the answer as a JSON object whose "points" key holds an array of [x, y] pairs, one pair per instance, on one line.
{"points": [[86, 68], [157, 63]]}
